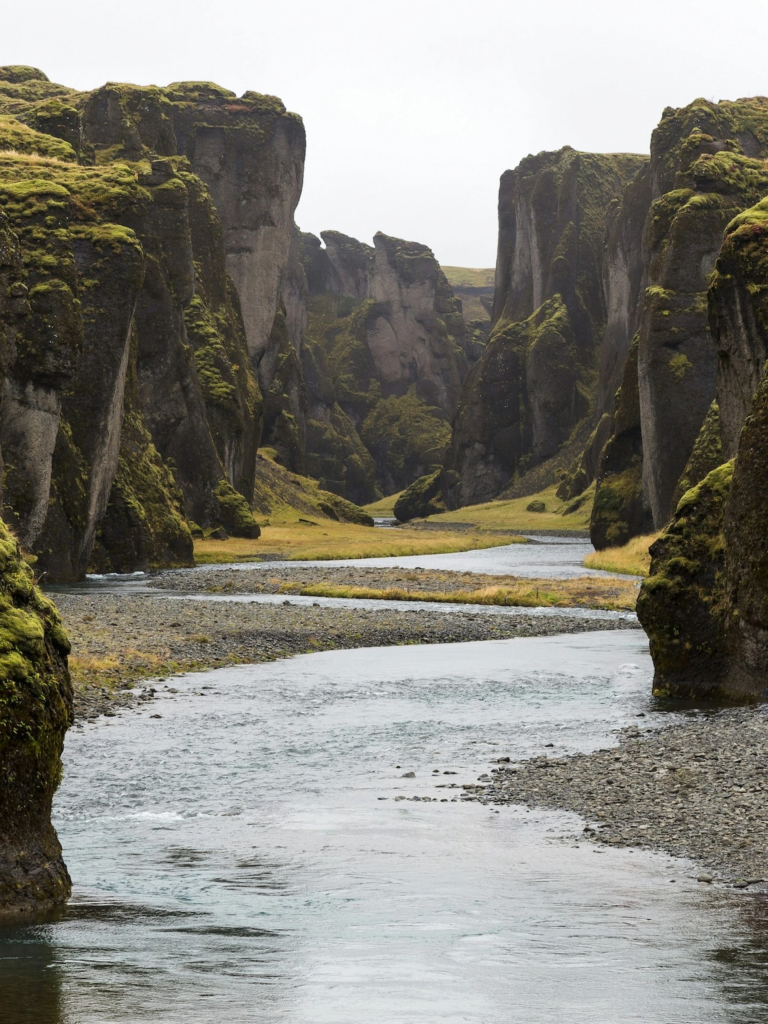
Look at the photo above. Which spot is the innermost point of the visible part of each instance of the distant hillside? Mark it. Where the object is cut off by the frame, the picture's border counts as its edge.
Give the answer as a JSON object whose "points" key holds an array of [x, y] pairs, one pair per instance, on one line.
{"points": [[470, 277]]}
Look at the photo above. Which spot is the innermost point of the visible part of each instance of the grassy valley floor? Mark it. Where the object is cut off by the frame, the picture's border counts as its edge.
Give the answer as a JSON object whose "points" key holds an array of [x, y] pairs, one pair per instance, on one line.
{"points": [[535, 513], [312, 540]]}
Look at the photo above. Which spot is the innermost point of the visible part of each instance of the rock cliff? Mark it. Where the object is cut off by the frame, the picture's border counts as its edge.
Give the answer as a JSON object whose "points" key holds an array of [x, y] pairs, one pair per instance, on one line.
{"points": [[707, 164], [704, 604], [145, 235], [535, 386], [384, 356], [35, 712]]}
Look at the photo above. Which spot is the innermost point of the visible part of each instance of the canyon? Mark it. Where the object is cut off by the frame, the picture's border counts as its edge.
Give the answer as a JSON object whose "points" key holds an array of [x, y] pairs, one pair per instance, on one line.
{"points": [[178, 357]]}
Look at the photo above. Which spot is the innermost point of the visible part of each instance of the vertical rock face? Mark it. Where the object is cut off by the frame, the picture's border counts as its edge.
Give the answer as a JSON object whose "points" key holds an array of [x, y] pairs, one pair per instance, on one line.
{"points": [[383, 360], [131, 359], [35, 712], [537, 380], [705, 602], [706, 165], [619, 511], [66, 354], [250, 153], [415, 324], [739, 318], [623, 272], [349, 266]]}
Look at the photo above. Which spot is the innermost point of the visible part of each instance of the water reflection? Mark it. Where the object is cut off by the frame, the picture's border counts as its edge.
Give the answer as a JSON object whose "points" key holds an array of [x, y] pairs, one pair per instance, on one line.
{"points": [[30, 978]]}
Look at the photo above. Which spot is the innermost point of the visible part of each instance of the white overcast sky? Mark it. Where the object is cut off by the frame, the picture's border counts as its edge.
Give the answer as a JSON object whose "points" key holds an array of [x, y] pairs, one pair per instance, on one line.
{"points": [[413, 108]]}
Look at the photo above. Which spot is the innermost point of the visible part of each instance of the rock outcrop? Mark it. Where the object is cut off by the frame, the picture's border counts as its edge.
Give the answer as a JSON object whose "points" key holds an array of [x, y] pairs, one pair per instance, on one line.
{"points": [[384, 355], [536, 383], [707, 164], [705, 602], [145, 235], [35, 712], [424, 497]]}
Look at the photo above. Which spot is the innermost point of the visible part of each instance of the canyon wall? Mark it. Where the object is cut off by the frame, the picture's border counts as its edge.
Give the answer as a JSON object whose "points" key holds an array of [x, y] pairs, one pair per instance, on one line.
{"points": [[705, 602], [533, 395], [144, 238], [35, 712], [707, 164], [386, 349]]}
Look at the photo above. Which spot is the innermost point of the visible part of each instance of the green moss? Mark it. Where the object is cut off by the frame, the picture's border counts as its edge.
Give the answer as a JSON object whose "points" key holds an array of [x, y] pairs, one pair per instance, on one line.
{"points": [[682, 604], [18, 73], [207, 341], [679, 365], [144, 525], [706, 456], [422, 498], [407, 439], [22, 139], [35, 712], [612, 498], [234, 512]]}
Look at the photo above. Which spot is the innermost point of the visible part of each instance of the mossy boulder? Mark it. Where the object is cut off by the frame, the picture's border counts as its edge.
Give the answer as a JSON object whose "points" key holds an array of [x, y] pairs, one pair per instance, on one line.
{"points": [[35, 712], [344, 511], [233, 512], [682, 603], [422, 498]]}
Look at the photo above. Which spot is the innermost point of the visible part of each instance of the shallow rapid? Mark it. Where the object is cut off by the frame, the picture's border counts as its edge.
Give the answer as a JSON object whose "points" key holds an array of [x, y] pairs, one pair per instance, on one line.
{"points": [[243, 858]]}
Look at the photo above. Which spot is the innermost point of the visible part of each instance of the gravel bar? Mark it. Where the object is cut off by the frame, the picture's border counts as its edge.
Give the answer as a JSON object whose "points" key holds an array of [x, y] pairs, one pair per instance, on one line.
{"points": [[273, 580], [120, 639], [695, 790]]}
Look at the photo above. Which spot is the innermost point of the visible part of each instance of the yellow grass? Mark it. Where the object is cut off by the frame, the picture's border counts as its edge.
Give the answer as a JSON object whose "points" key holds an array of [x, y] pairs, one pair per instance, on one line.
{"points": [[384, 506], [329, 540], [633, 558], [512, 514], [470, 277], [583, 592]]}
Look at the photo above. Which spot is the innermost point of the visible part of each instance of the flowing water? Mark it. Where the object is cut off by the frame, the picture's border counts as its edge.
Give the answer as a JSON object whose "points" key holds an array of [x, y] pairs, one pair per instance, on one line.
{"points": [[243, 858], [255, 854]]}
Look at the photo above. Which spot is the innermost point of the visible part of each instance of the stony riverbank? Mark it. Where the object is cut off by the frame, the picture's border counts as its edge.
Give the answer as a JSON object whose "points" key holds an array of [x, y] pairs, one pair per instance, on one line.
{"points": [[588, 591], [119, 640], [697, 790]]}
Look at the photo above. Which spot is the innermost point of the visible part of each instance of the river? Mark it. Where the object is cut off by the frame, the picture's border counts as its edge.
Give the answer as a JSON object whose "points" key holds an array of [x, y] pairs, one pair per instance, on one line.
{"points": [[244, 857]]}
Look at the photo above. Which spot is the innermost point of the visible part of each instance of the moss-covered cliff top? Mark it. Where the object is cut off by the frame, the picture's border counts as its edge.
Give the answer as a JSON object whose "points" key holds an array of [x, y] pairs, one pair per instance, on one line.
{"points": [[22, 88], [412, 260], [125, 121], [742, 125]]}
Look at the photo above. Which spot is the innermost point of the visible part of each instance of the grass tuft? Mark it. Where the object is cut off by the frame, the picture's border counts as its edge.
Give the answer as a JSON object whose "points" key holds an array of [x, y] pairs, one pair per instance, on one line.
{"points": [[582, 592], [632, 558]]}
